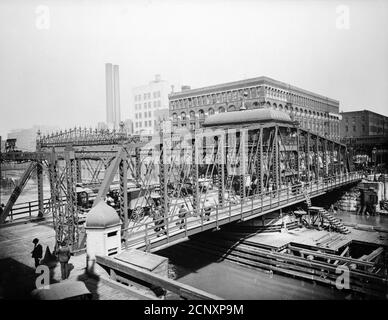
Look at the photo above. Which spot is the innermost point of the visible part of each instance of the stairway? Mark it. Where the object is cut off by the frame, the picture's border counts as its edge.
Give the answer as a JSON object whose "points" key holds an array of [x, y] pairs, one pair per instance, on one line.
{"points": [[334, 222]]}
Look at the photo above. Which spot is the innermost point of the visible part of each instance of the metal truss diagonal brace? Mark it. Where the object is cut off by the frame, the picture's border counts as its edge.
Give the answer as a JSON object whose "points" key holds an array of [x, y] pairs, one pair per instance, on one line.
{"points": [[109, 176], [17, 191]]}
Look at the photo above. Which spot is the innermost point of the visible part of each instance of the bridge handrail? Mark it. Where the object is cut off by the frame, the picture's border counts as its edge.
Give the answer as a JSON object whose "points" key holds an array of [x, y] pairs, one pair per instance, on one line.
{"points": [[31, 207], [147, 229]]}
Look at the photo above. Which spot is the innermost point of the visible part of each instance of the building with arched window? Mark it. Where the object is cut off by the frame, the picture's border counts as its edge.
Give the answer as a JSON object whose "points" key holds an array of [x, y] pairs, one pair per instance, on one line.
{"points": [[312, 111]]}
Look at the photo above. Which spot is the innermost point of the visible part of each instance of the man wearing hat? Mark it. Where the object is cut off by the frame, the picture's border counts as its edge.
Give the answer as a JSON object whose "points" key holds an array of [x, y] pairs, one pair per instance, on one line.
{"points": [[37, 252]]}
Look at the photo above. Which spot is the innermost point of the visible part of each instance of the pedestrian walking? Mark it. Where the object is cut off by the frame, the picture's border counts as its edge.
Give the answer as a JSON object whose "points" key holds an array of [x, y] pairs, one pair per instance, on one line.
{"points": [[37, 252], [64, 257]]}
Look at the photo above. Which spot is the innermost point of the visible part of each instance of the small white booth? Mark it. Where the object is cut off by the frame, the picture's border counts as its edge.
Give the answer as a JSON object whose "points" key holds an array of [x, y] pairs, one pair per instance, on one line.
{"points": [[103, 231]]}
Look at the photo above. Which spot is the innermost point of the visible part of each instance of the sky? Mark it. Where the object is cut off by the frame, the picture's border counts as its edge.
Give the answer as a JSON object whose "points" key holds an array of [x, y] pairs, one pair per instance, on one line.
{"points": [[53, 53]]}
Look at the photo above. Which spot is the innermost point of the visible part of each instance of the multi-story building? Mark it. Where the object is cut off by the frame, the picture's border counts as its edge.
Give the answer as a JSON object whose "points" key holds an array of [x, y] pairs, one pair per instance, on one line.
{"points": [[314, 112], [148, 99], [366, 132], [364, 123], [26, 138]]}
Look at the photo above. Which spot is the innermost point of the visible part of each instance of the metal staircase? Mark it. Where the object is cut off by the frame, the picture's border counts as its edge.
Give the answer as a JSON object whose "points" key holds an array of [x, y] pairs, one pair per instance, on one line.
{"points": [[334, 222]]}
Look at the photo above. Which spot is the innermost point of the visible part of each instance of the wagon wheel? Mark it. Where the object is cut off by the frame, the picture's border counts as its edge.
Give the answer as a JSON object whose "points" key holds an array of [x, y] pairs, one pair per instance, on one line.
{"points": [[138, 214]]}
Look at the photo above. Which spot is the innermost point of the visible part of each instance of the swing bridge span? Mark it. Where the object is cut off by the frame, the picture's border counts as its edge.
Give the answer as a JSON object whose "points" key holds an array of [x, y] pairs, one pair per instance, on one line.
{"points": [[236, 167]]}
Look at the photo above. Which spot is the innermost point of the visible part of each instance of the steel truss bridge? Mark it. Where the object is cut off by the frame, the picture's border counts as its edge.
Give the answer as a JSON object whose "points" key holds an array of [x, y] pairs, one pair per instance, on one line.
{"points": [[220, 174]]}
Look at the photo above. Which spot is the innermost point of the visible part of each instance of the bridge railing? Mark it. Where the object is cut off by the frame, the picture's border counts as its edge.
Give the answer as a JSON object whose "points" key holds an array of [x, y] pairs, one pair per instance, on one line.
{"points": [[30, 209], [250, 206]]}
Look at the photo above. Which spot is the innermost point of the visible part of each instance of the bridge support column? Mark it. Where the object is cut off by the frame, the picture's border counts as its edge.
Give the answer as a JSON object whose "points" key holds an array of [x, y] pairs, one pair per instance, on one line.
{"points": [[56, 199], [163, 168], [221, 169], [243, 159], [260, 165], [137, 164], [298, 153], [194, 174], [316, 158], [307, 155], [276, 162], [123, 172], [39, 171], [71, 219], [79, 170], [340, 167], [324, 158]]}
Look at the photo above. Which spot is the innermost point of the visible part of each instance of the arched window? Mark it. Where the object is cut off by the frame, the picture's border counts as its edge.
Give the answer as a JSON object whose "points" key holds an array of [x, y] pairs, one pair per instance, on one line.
{"points": [[183, 116], [274, 106], [280, 107], [231, 108], [221, 109], [268, 104], [210, 111], [174, 116], [192, 115], [201, 114]]}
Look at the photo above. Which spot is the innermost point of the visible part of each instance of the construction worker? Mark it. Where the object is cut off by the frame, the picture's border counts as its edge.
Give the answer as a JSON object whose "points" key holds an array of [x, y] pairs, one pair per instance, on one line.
{"points": [[37, 252]]}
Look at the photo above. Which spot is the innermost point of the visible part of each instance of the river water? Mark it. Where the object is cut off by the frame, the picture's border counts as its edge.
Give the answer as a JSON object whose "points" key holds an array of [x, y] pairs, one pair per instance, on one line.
{"points": [[232, 281], [30, 191]]}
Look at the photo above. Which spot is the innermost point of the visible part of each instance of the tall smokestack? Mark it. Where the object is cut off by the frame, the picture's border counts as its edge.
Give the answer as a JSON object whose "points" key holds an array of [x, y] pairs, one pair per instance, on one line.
{"points": [[116, 107], [109, 93]]}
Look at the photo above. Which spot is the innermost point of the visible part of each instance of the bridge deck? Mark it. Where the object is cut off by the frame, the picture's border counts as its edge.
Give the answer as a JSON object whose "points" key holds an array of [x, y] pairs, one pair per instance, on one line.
{"points": [[145, 237]]}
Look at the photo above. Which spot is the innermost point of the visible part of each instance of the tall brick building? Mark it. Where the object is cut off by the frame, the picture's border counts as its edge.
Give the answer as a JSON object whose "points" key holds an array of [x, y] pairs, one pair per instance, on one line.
{"points": [[317, 113]]}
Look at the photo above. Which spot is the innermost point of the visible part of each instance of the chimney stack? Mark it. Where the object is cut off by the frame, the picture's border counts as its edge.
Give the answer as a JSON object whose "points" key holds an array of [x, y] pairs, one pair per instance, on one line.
{"points": [[116, 109], [112, 96], [109, 92]]}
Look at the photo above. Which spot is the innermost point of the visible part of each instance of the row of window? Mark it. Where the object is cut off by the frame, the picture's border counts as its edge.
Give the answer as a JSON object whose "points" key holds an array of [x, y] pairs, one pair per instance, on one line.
{"points": [[247, 93], [333, 131], [147, 124], [296, 111], [156, 104], [354, 128], [138, 115], [147, 96]]}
